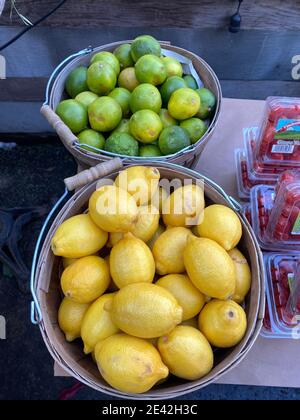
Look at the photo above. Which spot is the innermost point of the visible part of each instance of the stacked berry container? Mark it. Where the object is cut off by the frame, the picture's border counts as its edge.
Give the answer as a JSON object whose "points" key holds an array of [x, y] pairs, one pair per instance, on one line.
{"points": [[275, 212], [283, 296], [268, 178]]}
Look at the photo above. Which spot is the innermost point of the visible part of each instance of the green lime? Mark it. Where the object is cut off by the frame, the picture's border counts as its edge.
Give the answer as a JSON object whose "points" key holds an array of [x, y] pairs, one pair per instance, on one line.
{"points": [[123, 127], [208, 103], [170, 85], [184, 103], [123, 54], [104, 114], [145, 96], [73, 114], [109, 58], [145, 44], [172, 66], [76, 81], [190, 82], [101, 78], [122, 96], [92, 138], [150, 150], [86, 98], [166, 118], [123, 144], [145, 126], [150, 69], [195, 128], [127, 79], [173, 139]]}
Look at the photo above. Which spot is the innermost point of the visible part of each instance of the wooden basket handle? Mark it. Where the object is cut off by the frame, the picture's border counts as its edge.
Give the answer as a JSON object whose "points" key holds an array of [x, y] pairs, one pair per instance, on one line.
{"points": [[90, 175], [63, 131]]}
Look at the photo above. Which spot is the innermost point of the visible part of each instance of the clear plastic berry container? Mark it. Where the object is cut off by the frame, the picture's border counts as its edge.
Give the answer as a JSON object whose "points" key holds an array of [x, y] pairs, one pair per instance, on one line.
{"points": [[275, 212], [247, 212], [261, 204], [284, 219], [266, 330], [292, 311], [257, 171], [244, 182], [282, 283], [278, 141]]}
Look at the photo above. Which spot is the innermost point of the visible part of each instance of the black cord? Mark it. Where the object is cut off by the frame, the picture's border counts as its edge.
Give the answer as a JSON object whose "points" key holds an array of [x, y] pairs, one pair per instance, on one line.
{"points": [[236, 19], [2, 47], [239, 6]]}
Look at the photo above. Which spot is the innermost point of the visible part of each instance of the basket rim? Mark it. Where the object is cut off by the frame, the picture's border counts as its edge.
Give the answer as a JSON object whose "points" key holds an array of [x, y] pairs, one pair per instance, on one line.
{"points": [[159, 394]]}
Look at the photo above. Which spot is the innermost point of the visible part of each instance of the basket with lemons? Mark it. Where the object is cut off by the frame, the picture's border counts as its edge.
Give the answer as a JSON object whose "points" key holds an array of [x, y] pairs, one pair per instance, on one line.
{"points": [[153, 281], [136, 102]]}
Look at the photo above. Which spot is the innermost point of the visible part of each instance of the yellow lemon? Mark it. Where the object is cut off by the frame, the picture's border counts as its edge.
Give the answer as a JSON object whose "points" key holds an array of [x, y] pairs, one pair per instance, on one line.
{"points": [[144, 229], [140, 181], [186, 352], [187, 295], [184, 207], [147, 222], [193, 322], [130, 364], [114, 238], [70, 316], [243, 275], [210, 267], [157, 233], [159, 197], [223, 322], [222, 225], [97, 324], [86, 279], [68, 261], [78, 237], [168, 250], [145, 310], [113, 209], [131, 261]]}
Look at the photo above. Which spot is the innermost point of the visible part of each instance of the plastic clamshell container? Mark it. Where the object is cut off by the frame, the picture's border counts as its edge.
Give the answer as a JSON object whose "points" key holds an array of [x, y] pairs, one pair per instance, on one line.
{"points": [[292, 311], [262, 205], [284, 220], [258, 172], [266, 330], [244, 181], [278, 141], [247, 212], [284, 322]]}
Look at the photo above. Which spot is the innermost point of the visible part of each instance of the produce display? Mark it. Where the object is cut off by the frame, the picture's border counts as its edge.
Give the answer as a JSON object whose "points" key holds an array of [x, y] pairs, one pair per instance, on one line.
{"points": [[153, 282], [136, 102]]}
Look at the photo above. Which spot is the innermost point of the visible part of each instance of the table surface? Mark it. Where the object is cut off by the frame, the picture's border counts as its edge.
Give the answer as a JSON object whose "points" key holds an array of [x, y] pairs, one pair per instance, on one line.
{"points": [[270, 362]]}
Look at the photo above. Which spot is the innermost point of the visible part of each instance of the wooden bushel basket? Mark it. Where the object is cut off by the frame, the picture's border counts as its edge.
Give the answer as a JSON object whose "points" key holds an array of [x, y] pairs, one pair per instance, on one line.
{"points": [[55, 93], [47, 294]]}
